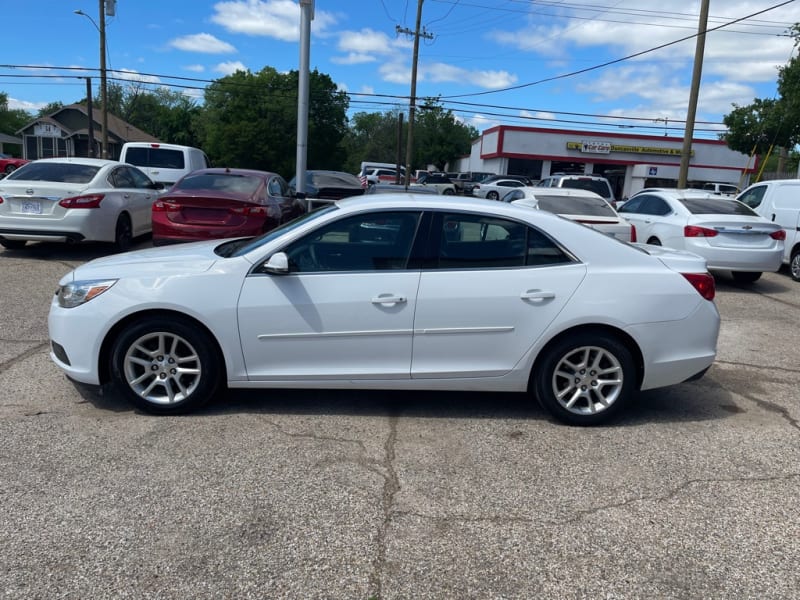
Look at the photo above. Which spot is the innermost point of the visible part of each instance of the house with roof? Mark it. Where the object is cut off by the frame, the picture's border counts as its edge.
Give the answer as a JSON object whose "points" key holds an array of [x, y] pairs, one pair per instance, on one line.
{"points": [[9, 141], [65, 132]]}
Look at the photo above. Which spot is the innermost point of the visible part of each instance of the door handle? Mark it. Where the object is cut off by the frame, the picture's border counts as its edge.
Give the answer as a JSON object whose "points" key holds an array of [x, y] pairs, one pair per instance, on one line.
{"points": [[538, 295], [389, 299], [126, 196]]}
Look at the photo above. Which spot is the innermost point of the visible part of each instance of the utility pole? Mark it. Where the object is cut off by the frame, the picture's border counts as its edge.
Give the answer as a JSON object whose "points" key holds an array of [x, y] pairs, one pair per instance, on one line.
{"points": [[686, 152], [412, 103], [103, 82], [90, 111]]}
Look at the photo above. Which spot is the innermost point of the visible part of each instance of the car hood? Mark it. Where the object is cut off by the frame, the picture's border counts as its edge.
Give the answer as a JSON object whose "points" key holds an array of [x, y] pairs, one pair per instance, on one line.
{"points": [[180, 259], [677, 260]]}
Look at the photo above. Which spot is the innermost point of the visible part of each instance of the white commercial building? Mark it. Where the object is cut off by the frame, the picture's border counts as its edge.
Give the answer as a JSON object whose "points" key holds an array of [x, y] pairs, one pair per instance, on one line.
{"points": [[630, 162]]}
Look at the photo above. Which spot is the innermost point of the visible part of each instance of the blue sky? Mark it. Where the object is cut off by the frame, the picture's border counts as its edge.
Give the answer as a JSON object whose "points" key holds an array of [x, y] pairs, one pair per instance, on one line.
{"points": [[512, 62]]}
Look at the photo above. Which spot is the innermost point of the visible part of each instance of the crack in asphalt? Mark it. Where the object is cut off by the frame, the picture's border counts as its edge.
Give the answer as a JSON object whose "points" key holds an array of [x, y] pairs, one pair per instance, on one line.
{"points": [[5, 366], [391, 485], [752, 366]]}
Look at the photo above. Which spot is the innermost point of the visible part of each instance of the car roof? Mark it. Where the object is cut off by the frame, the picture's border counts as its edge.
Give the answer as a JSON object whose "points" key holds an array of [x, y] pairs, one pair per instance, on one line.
{"points": [[229, 171], [678, 193], [558, 191]]}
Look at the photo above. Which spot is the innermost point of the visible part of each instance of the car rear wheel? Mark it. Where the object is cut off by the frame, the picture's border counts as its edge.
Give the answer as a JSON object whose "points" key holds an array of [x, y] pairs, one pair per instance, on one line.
{"points": [[448, 192], [585, 379], [166, 366], [794, 264], [654, 241], [745, 276], [123, 234], [12, 244], [493, 195]]}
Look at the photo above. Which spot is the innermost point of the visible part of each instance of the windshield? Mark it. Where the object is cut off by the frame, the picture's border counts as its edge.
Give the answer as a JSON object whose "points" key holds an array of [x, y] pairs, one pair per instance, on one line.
{"points": [[584, 183], [243, 246], [333, 179], [572, 205], [717, 206], [224, 182], [56, 172]]}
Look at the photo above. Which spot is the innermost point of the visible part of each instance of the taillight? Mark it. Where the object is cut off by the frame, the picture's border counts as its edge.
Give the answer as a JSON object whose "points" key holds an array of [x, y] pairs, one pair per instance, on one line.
{"points": [[165, 206], [633, 233], [1, 199], [87, 201], [703, 283], [695, 231], [775, 235], [250, 210]]}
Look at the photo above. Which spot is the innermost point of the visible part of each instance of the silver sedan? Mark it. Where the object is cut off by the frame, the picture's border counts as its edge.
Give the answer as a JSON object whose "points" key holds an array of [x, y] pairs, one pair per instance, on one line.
{"points": [[75, 199]]}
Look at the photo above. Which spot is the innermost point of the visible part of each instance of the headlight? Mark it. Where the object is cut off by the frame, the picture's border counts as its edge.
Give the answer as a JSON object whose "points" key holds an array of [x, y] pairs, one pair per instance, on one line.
{"points": [[76, 293]]}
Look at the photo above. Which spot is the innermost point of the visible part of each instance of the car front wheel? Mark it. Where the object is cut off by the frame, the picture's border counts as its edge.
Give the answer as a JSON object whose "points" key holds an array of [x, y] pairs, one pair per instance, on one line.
{"points": [[585, 379], [794, 264], [493, 195], [166, 365]]}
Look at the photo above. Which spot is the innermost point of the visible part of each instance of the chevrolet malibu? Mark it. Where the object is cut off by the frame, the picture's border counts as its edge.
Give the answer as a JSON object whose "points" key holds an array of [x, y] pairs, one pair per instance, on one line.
{"points": [[393, 291]]}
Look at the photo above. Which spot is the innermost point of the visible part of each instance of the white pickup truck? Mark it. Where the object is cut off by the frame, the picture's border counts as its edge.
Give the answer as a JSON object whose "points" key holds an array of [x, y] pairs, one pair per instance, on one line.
{"points": [[779, 201]]}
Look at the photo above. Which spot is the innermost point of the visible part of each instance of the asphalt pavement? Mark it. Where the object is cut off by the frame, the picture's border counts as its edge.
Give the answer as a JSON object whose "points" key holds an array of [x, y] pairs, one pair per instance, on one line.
{"points": [[358, 495]]}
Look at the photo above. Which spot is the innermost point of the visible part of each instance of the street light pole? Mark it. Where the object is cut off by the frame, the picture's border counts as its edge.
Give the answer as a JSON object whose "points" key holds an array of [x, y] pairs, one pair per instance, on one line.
{"points": [[101, 29]]}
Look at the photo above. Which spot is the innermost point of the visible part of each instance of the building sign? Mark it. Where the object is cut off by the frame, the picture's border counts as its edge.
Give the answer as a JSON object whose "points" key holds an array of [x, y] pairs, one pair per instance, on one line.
{"points": [[652, 171], [597, 147], [46, 130]]}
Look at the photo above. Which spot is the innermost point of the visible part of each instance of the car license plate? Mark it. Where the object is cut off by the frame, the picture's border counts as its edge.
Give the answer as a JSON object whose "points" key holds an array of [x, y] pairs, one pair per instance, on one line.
{"points": [[31, 207]]}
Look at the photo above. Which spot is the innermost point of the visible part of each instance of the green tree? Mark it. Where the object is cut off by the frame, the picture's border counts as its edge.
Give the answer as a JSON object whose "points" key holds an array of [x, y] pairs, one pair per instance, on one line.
{"points": [[372, 136], [249, 120], [439, 138], [50, 108], [11, 119]]}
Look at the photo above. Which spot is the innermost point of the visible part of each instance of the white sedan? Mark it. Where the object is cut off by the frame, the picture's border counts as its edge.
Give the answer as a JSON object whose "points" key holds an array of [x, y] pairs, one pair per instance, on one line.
{"points": [[393, 291], [75, 199], [727, 233], [577, 204], [496, 189]]}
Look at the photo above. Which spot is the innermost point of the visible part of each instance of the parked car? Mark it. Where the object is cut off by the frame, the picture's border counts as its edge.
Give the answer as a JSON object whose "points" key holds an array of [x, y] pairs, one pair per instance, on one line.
{"points": [[379, 175], [579, 205], [593, 183], [9, 164], [164, 163], [220, 203], [327, 186], [721, 189], [521, 178], [393, 292], [779, 201], [492, 189], [724, 231], [437, 181], [74, 200], [464, 182]]}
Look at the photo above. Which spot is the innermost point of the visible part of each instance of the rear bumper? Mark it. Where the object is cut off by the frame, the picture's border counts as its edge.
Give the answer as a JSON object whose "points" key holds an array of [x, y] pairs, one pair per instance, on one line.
{"points": [[34, 235]]}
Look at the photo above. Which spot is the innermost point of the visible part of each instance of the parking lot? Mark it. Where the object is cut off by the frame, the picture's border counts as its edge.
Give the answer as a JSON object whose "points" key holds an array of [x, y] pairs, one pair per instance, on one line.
{"points": [[340, 494]]}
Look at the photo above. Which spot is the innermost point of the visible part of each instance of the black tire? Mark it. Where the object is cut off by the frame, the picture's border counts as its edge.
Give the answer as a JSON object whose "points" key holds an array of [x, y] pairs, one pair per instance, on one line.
{"points": [[493, 196], [448, 192], [567, 382], [123, 234], [794, 264], [745, 276], [654, 241], [10, 169], [146, 359], [12, 244]]}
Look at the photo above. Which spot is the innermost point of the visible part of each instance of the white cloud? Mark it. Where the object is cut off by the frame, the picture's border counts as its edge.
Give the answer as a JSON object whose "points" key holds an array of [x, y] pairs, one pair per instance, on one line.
{"points": [[15, 104], [130, 75], [279, 19], [230, 67], [195, 68], [202, 42]]}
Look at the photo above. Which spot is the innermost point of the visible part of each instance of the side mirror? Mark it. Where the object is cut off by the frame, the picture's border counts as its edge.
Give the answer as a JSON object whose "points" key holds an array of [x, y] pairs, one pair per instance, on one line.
{"points": [[157, 185], [278, 264]]}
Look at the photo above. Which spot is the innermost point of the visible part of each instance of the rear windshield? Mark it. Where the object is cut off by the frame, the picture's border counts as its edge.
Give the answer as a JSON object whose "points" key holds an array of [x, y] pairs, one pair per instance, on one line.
{"points": [[226, 182], [160, 158], [593, 185], [716, 206], [56, 172], [570, 205], [333, 179]]}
